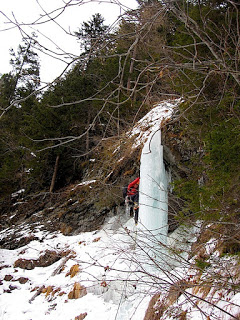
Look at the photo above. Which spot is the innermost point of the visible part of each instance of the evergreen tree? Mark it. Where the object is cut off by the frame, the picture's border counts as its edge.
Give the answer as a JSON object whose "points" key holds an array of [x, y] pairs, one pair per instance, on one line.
{"points": [[26, 68], [92, 34], [17, 100]]}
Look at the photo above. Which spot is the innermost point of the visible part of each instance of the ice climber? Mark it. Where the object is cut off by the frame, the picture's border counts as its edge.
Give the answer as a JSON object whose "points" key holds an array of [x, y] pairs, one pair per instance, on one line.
{"points": [[133, 198]]}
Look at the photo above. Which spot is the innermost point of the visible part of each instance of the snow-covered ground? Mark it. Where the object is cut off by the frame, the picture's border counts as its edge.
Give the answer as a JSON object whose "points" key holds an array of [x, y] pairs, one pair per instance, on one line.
{"points": [[108, 274], [105, 268], [103, 265]]}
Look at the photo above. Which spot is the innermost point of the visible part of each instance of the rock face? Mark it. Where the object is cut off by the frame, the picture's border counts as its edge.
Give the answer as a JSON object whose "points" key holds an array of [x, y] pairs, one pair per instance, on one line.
{"points": [[85, 206], [77, 208], [68, 216], [69, 211], [45, 260], [176, 153]]}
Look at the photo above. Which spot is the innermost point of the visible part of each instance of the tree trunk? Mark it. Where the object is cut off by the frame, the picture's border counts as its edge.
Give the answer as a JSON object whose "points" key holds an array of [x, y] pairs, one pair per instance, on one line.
{"points": [[54, 174], [87, 132]]}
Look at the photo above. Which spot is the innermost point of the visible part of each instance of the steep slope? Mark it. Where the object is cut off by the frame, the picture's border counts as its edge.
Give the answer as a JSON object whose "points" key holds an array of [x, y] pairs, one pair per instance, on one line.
{"points": [[85, 205], [74, 254]]}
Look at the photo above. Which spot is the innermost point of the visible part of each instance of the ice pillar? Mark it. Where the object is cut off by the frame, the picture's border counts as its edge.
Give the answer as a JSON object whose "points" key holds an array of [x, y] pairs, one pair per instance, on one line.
{"points": [[153, 197]]}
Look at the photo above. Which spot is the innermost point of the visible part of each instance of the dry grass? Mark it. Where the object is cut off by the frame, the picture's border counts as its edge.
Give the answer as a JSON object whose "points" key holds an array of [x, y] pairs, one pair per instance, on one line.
{"points": [[65, 229], [73, 271], [158, 306], [78, 291], [153, 312], [81, 316]]}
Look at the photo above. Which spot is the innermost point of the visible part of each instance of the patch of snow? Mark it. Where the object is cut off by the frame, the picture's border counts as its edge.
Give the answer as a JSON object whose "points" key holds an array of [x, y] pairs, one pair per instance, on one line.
{"points": [[210, 246], [151, 122], [121, 159], [17, 193], [84, 183], [17, 203]]}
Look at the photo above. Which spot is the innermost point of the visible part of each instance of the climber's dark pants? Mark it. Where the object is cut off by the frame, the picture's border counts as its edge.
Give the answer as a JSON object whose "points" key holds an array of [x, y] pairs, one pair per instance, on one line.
{"points": [[133, 200], [136, 215]]}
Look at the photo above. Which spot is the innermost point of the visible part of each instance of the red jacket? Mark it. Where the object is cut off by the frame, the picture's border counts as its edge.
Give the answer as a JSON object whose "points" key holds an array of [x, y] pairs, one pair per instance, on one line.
{"points": [[133, 187]]}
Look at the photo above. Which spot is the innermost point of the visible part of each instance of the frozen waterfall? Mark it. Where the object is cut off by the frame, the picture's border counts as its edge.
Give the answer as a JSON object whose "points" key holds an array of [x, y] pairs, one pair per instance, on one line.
{"points": [[153, 197]]}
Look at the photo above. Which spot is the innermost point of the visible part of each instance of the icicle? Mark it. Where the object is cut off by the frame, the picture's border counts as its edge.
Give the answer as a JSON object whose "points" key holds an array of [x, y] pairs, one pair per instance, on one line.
{"points": [[153, 200]]}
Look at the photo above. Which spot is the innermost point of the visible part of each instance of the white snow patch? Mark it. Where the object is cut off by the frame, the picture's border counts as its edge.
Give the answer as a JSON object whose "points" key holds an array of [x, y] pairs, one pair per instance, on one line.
{"points": [[17, 193], [84, 183], [210, 246], [151, 122]]}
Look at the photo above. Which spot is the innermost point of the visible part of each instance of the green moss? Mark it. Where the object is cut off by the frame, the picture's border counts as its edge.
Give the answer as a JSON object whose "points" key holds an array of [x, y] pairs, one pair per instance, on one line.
{"points": [[201, 264]]}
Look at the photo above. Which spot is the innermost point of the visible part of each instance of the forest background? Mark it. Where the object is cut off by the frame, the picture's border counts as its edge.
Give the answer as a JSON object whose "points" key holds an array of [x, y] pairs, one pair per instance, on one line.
{"points": [[162, 50]]}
